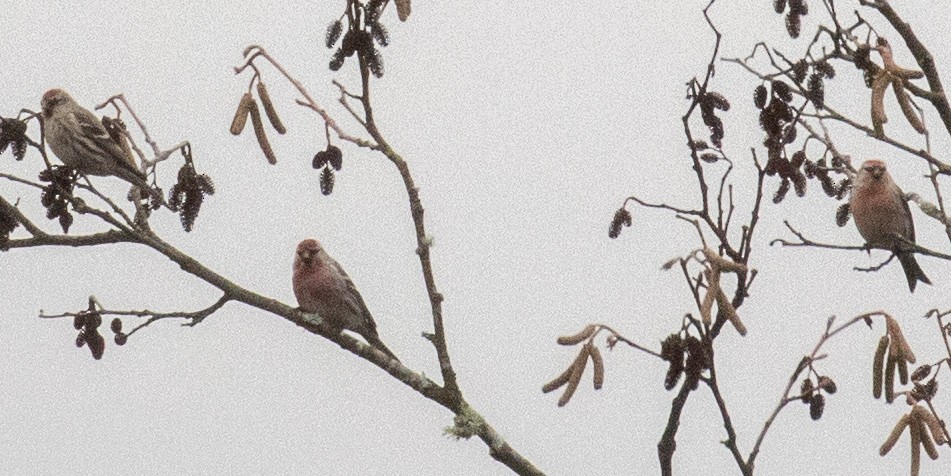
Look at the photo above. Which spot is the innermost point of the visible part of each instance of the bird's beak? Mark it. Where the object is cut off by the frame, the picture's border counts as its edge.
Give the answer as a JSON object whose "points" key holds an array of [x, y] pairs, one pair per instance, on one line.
{"points": [[877, 173], [306, 256]]}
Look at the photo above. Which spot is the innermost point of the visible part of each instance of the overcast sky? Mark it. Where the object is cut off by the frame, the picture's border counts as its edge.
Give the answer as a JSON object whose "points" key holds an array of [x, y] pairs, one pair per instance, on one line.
{"points": [[525, 124]]}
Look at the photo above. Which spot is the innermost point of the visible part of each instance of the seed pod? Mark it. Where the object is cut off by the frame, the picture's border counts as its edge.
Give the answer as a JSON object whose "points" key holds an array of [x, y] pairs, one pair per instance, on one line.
{"points": [[906, 108], [96, 344], [241, 114], [121, 338], [878, 367], [598, 362], [403, 9], [918, 425], [116, 325], [827, 385], [577, 338], [80, 340], [259, 133], [895, 434], [269, 109], [79, 321], [816, 405], [577, 370], [890, 378]]}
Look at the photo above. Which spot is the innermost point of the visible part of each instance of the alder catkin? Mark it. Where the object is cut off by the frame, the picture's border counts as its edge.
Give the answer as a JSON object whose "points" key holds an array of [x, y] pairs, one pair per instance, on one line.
{"points": [[900, 346], [598, 362], [890, 378], [713, 288], [269, 109], [895, 434], [906, 107], [403, 8], [558, 381], [577, 338], [241, 114], [577, 370], [918, 426], [726, 307], [261, 135], [878, 105], [931, 421], [915, 448], [878, 367]]}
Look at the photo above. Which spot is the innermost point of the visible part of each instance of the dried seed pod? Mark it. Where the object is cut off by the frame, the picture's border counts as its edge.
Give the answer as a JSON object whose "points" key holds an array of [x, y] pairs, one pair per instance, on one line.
{"points": [[842, 215], [260, 134], [326, 181], [241, 114], [918, 425], [577, 338], [726, 307], [817, 405], [921, 372], [96, 344], [827, 385], [116, 325], [269, 109], [806, 390], [80, 339], [79, 321], [895, 434], [598, 363], [121, 338], [577, 370], [892, 361], [906, 107], [759, 97]]}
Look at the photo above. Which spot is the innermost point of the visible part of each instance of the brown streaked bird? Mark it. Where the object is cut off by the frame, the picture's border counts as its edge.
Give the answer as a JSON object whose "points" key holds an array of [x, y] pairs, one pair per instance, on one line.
{"points": [[79, 139], [881, 212], [322, 286]]}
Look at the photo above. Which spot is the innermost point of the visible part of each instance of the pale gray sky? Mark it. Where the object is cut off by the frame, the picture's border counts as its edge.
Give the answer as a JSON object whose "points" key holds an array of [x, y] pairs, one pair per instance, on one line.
{"points": [[525, 124]]}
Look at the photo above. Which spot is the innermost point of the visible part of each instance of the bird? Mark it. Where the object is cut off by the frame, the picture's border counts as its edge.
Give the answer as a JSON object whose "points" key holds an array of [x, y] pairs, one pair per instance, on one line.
{"points": [[882, 214], [80, 140], [323, 287]]}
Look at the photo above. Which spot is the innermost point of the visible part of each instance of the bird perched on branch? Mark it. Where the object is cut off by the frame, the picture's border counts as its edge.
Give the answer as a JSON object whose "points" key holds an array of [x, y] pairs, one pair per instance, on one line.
{"points": [[322, 286], [882, 215], [81, 141]]}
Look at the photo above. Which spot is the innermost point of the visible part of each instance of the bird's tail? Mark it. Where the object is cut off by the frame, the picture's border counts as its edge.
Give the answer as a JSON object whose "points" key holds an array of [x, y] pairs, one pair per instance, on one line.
{"points": [[912, 271], [376, 342]]}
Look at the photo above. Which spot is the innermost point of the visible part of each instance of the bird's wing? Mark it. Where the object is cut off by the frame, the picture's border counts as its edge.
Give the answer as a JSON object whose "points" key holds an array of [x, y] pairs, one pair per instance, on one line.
{"points": [[354, 301], [93, 128], [910, 230]]}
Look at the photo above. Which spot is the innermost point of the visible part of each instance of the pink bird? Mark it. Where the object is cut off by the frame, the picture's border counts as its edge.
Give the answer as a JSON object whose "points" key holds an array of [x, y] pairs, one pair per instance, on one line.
{"points": [[881, 212], [322, 286]]}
